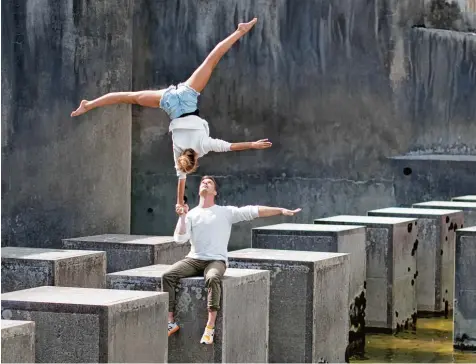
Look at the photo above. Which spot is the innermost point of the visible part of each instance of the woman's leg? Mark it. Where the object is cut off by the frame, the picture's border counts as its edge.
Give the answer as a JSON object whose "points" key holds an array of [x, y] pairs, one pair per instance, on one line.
{"points": [[202, 74], [149, 98]]}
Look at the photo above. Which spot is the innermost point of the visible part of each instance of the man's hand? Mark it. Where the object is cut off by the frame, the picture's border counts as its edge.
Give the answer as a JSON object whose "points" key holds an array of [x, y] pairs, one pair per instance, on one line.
{"points": [[181, 209], [287, 212], [261, 144]]}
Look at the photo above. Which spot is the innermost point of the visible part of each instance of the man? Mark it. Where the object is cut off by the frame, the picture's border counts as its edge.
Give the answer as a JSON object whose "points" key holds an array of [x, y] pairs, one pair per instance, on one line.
{"points": [[208, 227]]}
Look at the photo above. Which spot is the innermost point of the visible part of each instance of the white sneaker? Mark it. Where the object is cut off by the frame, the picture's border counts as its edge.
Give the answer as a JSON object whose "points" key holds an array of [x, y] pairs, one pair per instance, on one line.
{"points": [[207, 337], [173, 328]]}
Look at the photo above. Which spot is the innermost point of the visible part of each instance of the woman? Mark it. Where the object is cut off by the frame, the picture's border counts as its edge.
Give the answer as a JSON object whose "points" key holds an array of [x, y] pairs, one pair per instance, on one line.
{"points": [[190, 133]]}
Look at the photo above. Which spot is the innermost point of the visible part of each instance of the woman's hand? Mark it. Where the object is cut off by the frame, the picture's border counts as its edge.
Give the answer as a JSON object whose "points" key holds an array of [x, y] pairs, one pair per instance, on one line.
{"points": [[261, 144]]}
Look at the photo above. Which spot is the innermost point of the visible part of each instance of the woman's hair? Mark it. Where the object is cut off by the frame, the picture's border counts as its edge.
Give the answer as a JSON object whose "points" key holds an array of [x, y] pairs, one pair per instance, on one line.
{"points": [[188, 161]]}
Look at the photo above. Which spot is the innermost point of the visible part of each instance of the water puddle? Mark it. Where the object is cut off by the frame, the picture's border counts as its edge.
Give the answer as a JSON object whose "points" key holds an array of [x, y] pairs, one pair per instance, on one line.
{"points": [[430, 343]]}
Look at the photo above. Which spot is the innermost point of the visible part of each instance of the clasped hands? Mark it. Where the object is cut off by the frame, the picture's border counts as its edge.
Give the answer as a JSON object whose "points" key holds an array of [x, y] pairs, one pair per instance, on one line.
{"points": [[181, 209]]}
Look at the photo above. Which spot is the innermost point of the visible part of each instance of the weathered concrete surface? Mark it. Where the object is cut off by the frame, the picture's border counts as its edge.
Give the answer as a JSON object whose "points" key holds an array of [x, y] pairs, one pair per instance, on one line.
{"points": [[464, 319], [327, 238], [391, 265], [364, 72], [75, 325], [308, 312], [131, 251], [432, 177], [242, 327], [435, 255], [467, 198], [24, 268], [63, 176], [469, 209], [18, 341]]}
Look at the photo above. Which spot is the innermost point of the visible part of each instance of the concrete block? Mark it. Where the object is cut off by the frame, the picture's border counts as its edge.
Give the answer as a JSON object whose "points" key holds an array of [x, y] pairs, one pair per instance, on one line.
{"points": [[18, 341], [241, 334], [326, 238], [391, 249], [435, 255], [131, 251], [24, 268], [75, 325], [469, 209], [309, 311], [464, 332], [466, 198]]}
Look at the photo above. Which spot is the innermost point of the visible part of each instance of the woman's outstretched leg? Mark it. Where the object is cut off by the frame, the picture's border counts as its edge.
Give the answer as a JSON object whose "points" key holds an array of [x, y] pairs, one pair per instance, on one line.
{"points": [[147, 98], [202, 74]]}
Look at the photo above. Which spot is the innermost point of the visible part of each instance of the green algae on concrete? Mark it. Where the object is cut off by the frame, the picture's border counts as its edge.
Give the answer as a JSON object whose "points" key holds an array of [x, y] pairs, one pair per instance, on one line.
{"points": [[430, 343]]}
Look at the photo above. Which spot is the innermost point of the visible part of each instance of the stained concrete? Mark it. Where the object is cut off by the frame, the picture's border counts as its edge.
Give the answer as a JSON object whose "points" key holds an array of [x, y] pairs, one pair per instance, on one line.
{"points": [[364, 72], [131, 251], [326, 238], [308, 312], [464, 332], [391, 248], [469, 209], [62, 176], [466, 198], [24, 268], [76, 325], [435, 255], [18, 341], [241, 334]]}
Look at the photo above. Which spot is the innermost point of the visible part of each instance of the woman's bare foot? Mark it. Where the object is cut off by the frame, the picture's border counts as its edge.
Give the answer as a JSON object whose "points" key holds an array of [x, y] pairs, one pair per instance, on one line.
{"points": [[81, 109], [245, 27]]}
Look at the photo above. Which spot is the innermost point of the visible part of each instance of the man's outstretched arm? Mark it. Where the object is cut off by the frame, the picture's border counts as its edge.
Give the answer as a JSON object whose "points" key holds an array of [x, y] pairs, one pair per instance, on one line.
{"points": [[266, 211], [248, 213]]}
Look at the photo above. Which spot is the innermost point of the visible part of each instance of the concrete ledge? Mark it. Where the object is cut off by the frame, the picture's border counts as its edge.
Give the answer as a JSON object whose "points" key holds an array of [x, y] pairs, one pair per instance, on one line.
{"points": [[469, 209], [392, 248], [131, 251], [309, 311], [466, 198], [435, 255], [464, 332], [241, 334], [18, 341], [75, 325], [327, 238], [24, 268]]}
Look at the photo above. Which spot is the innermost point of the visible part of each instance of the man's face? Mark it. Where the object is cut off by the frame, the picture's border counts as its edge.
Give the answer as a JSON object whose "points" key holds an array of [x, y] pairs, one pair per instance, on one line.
{"points": [[207, 187]]}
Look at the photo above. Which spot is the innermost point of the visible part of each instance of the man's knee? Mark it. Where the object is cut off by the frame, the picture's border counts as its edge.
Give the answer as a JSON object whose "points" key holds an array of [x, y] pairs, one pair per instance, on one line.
{"points": [[212, 279]]}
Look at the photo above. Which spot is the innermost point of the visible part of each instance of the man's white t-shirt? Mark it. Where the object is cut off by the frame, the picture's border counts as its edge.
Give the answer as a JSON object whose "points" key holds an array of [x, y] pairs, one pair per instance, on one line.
{"points": [[209, 229]]}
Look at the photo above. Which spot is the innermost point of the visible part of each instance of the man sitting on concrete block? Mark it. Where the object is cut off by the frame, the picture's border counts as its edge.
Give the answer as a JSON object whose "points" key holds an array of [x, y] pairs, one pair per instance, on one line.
{"points": [[208, 227]]}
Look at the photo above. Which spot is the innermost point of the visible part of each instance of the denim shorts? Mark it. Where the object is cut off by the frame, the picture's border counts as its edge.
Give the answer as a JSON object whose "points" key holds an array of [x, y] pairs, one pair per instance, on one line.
{"points": [[178, 100]]}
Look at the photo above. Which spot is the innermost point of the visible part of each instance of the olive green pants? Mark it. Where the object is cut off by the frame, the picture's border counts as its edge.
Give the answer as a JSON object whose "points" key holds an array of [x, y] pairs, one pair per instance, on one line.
{"points": [[213, 270]]}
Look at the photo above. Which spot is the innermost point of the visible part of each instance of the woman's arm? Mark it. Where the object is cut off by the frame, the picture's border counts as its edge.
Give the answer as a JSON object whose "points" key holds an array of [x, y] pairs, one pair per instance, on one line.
{"points": [[180, 191], [260, 144]]}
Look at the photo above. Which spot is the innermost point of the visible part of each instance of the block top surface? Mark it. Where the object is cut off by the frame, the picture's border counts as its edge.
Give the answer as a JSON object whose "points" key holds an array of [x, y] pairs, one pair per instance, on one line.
{"points": [[468, 198], [366, 220], [415, 212], [310, 227], [6, 324], [467, 231], [75, 296], [125, 239], [11, 252], [461, 205], [282, 255], [437, 157]]}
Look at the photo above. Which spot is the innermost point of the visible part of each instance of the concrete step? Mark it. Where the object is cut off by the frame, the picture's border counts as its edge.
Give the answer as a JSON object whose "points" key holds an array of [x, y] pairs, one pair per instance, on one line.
{"points": [[241, 334], [326, 238], [469, 209], [18, 341], [75, 325], [435, 255], [464, 332], [466, 198], [391, 265], [24, 268], [131, 251], [309, 311]]}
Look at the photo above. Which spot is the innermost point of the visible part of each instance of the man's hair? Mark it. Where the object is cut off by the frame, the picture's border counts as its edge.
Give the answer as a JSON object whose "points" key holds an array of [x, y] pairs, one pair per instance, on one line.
{"points": [[214, 182], [188, 161]]}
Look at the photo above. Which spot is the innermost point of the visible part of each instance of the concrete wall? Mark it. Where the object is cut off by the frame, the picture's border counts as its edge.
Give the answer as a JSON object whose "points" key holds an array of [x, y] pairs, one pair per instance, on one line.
{"points": [[337, 86], [64, 177]]}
